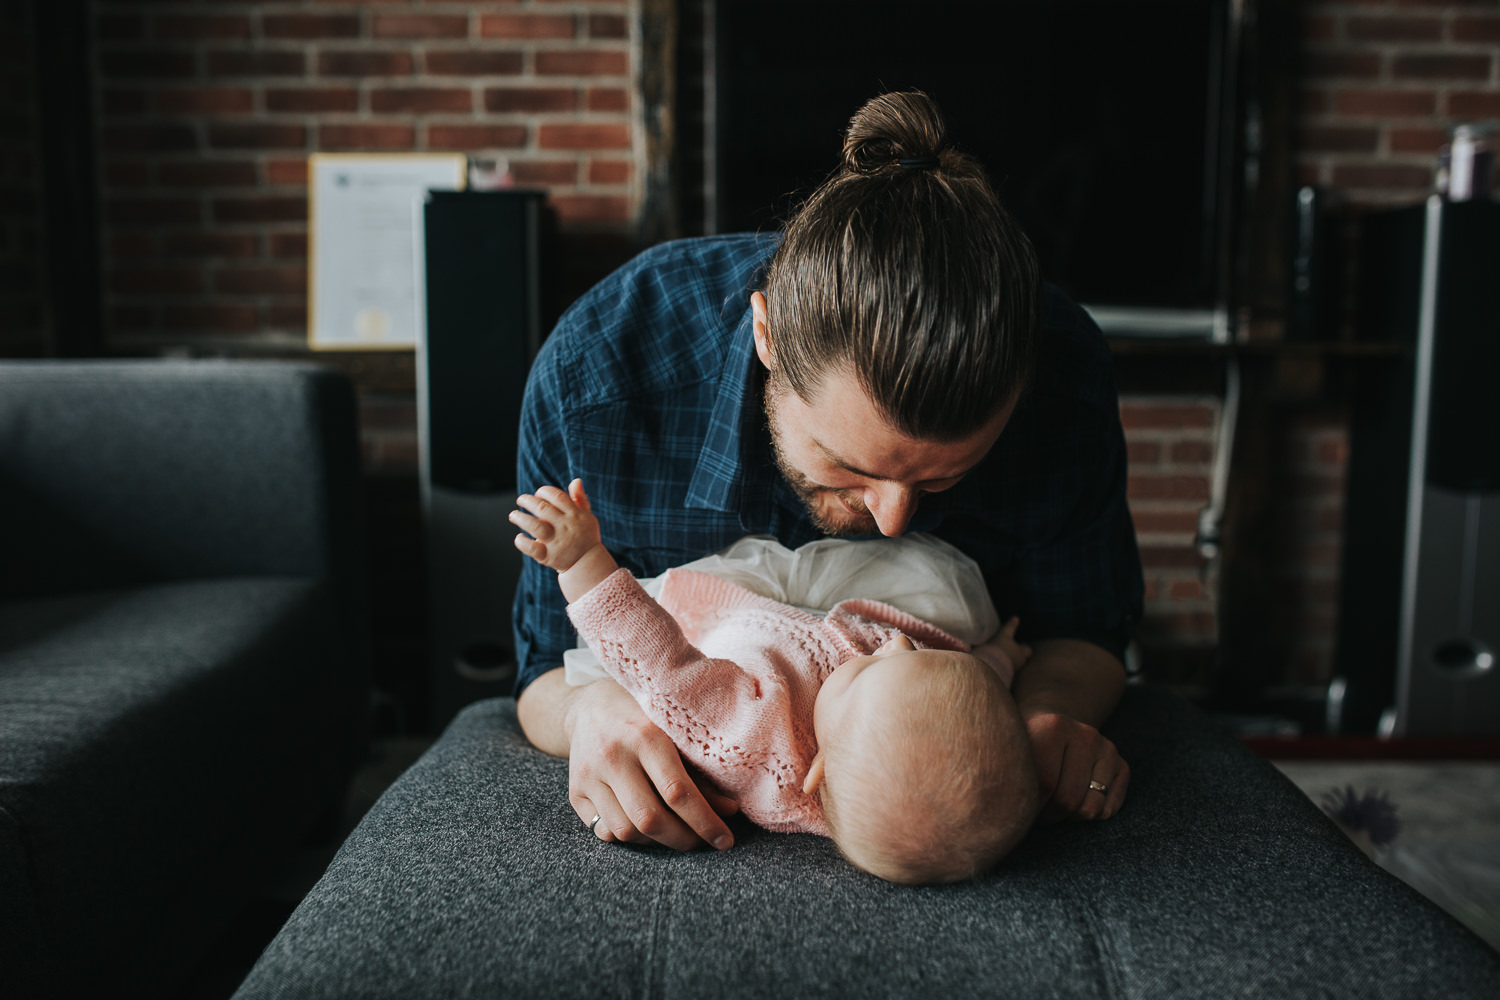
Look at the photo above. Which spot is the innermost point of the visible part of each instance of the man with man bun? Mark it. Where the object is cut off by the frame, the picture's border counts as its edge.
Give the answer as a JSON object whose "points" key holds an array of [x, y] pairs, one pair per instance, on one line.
{"points": [[892, 363]]}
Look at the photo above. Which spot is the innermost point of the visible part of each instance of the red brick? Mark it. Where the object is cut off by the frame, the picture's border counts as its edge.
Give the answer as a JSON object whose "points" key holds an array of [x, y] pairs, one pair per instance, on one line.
{"points": [[258, 136], [1386, 102], [209, 173], [609, 171], [1318, 28], [1474, 104], [156, 281], [1341, 64], [287, 315], [196, 27], [148, 138], [1417, 140], [530, 99], [1159, 487], [468, 137], [582, 62], [276, 280], [364, 63], [1187, 590], [548, 173], [526, 26], [312, 99], [583, 136], [288, 245], [205, 100], [1484, 28], [609, 209], [608, 99], [420, 99], [256, 62], [406, 26], [1165, 522], [1143, 452], [608, 26], [210, 318], [1382, 175], [262, 208], [287, 171], [1441, 66], [1170, 556], [1314, 100], [367, 136], [211, 244], [1394, 29], [308, 27], [148, 64], [1194, 452], [1338, 139], [1165, 415], [469, 62]]}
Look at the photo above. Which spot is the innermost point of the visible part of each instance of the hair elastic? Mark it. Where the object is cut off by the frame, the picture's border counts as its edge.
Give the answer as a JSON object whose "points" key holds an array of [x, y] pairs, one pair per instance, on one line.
{"points": [[918, 163]]}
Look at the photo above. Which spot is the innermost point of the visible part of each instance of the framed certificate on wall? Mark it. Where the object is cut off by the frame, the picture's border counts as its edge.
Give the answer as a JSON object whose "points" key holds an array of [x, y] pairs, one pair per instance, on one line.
{"points": [[364, 235]]}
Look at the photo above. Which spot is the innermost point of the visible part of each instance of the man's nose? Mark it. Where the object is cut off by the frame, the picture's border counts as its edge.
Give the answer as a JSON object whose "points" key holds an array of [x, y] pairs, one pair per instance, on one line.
{"points": [[892, 506]]}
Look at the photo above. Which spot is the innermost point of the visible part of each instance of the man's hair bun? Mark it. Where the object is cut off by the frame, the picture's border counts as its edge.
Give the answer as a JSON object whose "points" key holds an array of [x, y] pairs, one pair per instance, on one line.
{"points": [[905, 126]]}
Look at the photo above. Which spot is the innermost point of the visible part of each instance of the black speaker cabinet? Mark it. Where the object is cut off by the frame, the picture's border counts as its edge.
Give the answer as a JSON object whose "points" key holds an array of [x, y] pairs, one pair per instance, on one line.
{"points": [[1420, 611], [484, 253]]}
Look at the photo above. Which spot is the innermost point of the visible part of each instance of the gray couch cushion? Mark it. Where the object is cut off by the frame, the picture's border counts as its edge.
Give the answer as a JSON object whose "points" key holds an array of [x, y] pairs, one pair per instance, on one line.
{"points": [[473, 877], [147, 737]]}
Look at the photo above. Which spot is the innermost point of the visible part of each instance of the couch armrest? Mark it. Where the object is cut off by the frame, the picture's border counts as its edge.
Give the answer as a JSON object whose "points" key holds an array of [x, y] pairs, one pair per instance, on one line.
{"points": [[121, 472]]}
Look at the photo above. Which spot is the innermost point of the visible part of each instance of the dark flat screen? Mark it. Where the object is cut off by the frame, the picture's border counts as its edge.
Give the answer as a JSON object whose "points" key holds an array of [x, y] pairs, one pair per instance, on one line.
{"points": [[1098, 121]]}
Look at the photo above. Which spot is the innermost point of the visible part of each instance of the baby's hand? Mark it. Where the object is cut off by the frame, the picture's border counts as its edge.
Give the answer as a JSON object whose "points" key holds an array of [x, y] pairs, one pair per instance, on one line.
{"points": [[1005, 641], [561, 526]]}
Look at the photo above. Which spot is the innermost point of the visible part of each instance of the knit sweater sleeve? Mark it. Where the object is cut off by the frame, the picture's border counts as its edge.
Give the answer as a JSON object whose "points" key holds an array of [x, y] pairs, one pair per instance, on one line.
{"points": [[736, 724]]}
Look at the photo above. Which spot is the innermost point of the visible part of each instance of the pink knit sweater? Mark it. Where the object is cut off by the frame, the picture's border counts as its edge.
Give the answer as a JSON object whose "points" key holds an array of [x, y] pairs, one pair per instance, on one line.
{"points": [[732, 677]]}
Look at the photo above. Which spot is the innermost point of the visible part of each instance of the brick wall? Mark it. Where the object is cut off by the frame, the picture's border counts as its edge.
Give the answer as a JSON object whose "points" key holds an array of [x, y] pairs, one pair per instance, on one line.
{"points": [[23, 321], [1382, 82], [208, 113]]}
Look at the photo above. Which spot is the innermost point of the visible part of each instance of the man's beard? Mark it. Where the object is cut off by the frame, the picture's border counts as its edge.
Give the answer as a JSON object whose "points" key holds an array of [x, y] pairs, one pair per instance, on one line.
{"points": [[855, 520]]}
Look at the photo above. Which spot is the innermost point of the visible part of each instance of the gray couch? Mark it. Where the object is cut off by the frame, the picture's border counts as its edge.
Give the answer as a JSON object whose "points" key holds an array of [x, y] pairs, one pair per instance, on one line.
{"points": [[183, 680], [472, 877]]}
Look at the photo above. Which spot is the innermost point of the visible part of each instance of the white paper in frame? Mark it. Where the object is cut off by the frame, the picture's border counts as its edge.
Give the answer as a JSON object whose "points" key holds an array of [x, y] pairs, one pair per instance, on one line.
{"points": [[364, 221]]}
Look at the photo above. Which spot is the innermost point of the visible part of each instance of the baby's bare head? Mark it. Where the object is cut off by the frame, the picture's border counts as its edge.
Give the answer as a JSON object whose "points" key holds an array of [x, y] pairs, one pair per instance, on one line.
{"points": [[927, 773]]}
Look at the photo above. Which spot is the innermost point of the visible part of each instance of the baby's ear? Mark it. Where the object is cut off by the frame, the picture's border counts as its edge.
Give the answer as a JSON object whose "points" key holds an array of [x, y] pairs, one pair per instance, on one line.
{"points": [[814, 775]]}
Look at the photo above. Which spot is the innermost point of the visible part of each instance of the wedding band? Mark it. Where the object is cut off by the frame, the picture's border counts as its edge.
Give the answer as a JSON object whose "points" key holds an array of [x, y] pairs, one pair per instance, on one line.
{"points": [[594, 822], [1098, 786]]}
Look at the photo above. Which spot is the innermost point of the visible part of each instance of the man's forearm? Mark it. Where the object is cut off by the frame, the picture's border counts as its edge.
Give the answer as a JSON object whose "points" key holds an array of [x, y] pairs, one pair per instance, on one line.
{"points": [[1072, 678], [543, 712]]}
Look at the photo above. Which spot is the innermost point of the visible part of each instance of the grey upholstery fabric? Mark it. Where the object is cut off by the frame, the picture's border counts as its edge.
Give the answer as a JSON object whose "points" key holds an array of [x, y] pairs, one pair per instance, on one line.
{"points": [[183, 685], [473, 877]]}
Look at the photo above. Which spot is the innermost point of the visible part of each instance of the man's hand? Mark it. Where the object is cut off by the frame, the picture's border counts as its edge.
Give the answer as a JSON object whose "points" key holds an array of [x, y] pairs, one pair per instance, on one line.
{"points": [[628, 772], [1067, 690], [1081, 774]]}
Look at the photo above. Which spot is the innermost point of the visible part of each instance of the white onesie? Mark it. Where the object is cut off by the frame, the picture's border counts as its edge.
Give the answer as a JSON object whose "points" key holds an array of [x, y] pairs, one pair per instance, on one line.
{"points": [[919, 574]]}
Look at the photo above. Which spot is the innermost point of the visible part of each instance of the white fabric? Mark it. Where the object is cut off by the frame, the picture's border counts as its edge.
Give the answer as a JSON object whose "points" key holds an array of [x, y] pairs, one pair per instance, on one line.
{"points": [[922, 575]]}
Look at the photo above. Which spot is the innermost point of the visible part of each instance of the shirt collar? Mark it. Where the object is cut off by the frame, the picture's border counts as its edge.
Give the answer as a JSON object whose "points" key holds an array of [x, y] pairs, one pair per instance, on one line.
{"points": [[723, 478]]}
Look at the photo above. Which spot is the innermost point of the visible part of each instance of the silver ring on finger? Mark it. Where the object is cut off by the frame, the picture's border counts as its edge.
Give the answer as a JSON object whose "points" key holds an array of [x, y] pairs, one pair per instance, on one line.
{"points": [[1099, 786], [594, 822]]}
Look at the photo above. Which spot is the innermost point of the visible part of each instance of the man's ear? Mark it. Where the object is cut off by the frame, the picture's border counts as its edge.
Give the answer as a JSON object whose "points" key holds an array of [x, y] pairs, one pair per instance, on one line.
{"points": [[814, 775], [762, 331]]}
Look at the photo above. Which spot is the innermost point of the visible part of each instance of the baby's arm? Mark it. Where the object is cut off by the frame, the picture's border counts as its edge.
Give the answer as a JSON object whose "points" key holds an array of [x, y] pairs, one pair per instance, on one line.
{"points": [[564, 535], [1012, 655]]}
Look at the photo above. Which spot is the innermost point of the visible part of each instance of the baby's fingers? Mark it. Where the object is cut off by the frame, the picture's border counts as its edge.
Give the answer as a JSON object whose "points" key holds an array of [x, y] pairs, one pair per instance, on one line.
{"points": [[1010, 627], [556, 497], [533, 526]]}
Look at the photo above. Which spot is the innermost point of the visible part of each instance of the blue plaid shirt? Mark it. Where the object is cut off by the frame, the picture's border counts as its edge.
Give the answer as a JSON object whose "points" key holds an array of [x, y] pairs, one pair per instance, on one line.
{"points": [[650, 391]]}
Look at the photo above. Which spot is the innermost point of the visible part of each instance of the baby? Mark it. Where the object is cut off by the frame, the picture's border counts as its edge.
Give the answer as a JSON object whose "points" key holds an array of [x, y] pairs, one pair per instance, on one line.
{"points": [[870, 726]]}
